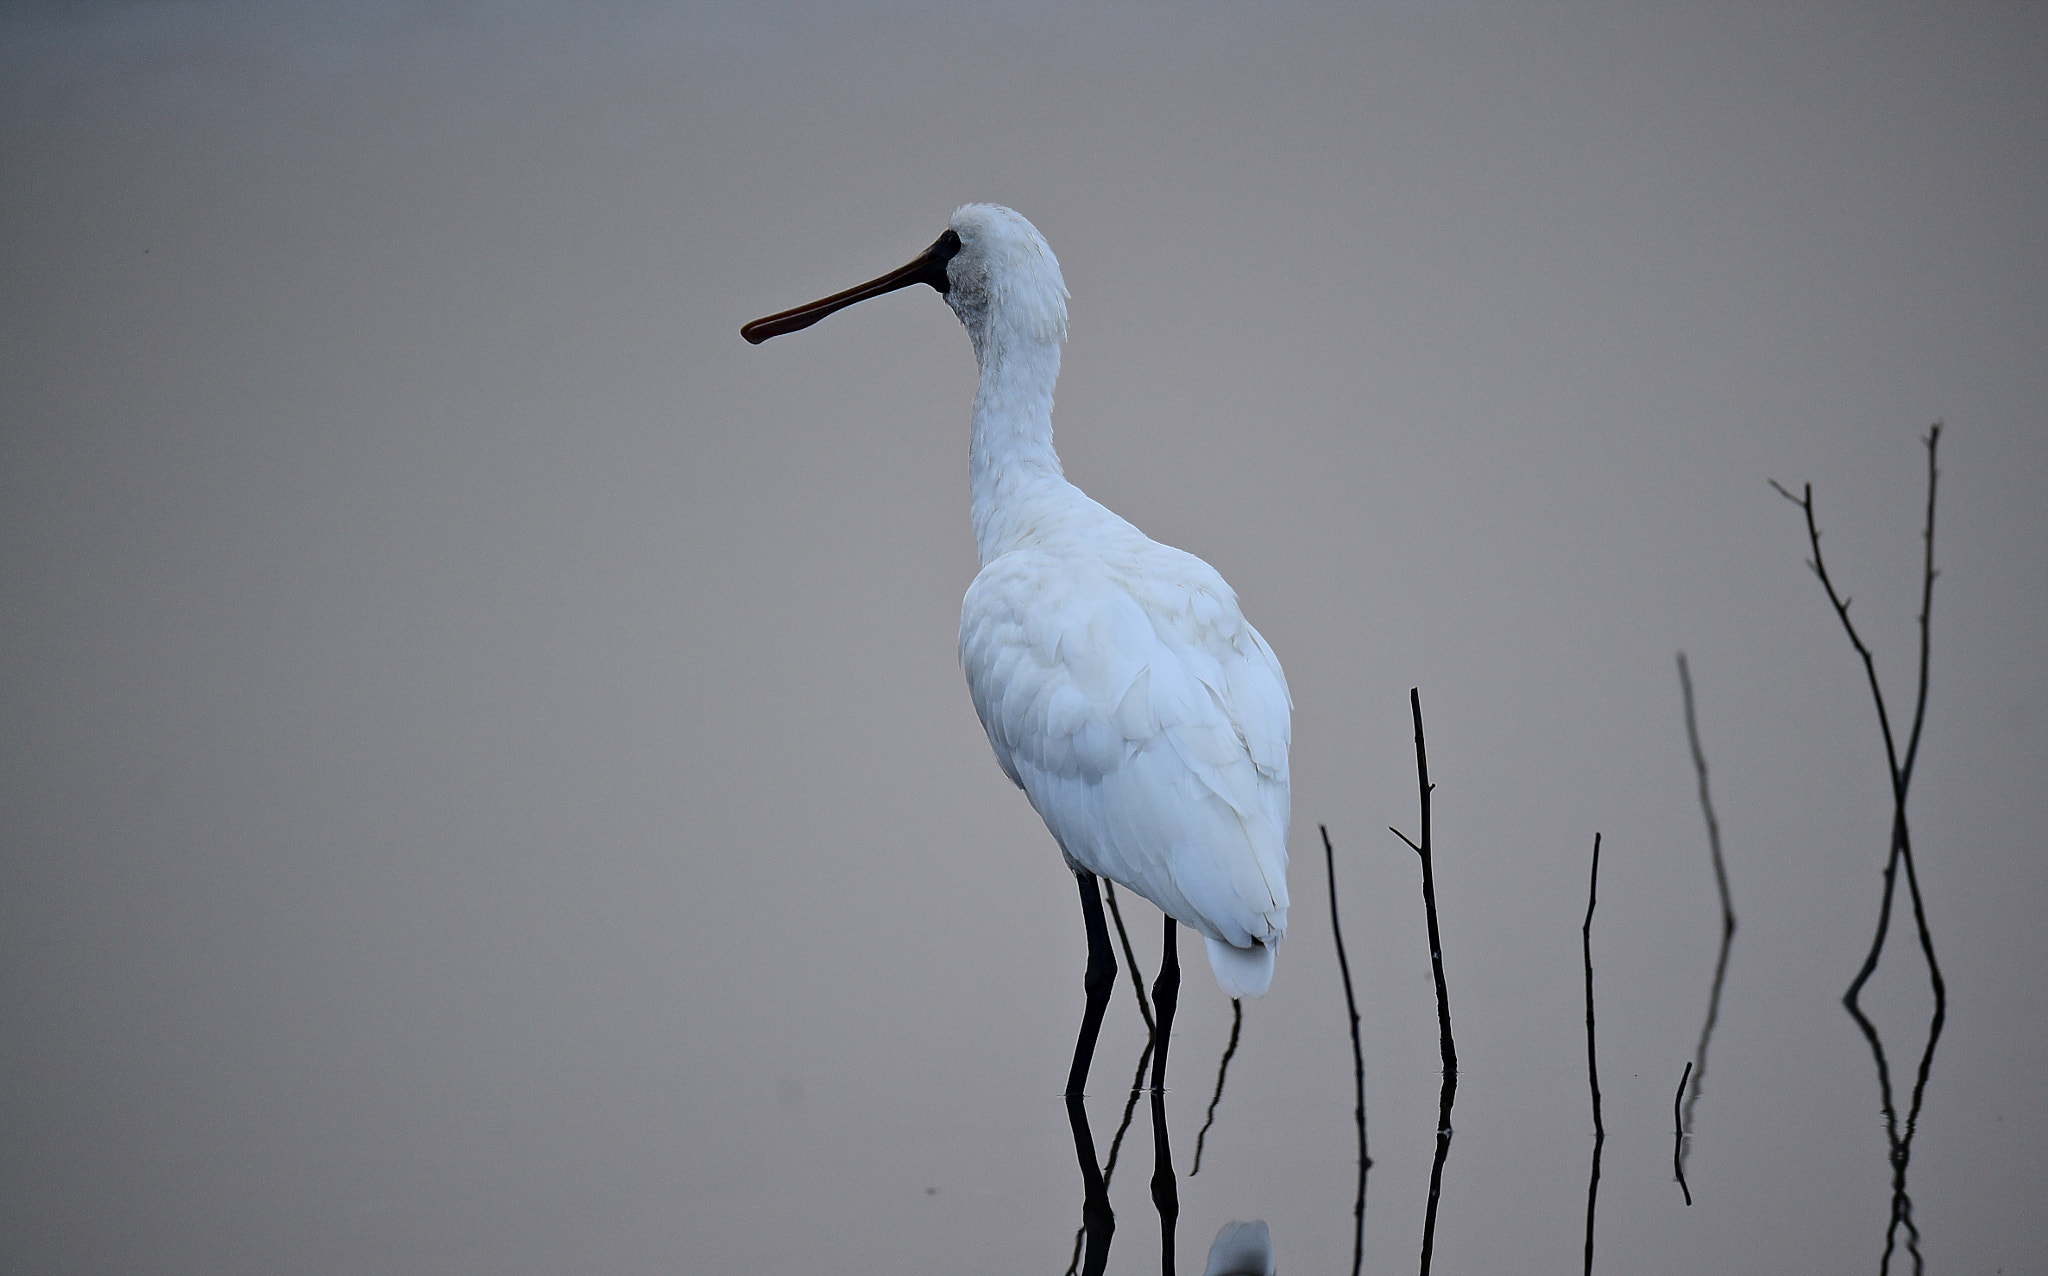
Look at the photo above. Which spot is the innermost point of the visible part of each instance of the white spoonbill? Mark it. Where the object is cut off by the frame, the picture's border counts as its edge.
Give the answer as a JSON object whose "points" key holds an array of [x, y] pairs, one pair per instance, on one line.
{"points": [[1121, 686]]}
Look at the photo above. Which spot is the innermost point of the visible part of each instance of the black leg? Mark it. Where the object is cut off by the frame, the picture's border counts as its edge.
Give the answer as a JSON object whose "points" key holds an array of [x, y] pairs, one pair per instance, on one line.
{"points": [[1165, 996], [1100, 981], [1096, 1217], [1165, 1192]]}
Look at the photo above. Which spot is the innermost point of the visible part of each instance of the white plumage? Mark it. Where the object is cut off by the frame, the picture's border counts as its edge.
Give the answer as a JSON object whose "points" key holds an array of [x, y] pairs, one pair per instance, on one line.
{"points": [[1120, 685], [1241, 1249]]}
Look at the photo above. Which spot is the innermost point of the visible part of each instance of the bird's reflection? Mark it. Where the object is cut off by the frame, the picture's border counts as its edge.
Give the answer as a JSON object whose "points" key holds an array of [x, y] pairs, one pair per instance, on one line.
{"points": [[1241, 1249], [1098, 1221]]}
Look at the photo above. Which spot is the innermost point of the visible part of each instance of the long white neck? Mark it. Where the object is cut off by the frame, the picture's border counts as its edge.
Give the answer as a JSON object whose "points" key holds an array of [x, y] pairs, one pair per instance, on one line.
{"points": [[1011, 458], [1005, 285]]}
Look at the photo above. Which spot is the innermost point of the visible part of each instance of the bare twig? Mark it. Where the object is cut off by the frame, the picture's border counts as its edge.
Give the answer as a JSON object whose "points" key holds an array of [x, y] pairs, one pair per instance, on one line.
{"points": [[1130, 959], [1445, 1097], [1819, 567], [1927, 575], [1130, 1106], [1901, 770], [1446, 1045], [1900, 854], [1586, 946], [1357, 1060], [1592, 1054]]}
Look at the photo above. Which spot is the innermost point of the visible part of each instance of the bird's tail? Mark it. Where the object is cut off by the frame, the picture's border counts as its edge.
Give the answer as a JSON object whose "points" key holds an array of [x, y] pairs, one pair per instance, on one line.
{"points": [[1242, 972]]}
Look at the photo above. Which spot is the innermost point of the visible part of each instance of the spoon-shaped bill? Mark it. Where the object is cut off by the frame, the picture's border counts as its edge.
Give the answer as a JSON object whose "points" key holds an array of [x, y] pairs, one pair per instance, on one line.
{"points": [[929, 267]]}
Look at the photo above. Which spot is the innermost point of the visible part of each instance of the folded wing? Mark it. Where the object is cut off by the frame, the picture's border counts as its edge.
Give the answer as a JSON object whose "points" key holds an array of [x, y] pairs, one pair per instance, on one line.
{"points": [[1148, 723]]}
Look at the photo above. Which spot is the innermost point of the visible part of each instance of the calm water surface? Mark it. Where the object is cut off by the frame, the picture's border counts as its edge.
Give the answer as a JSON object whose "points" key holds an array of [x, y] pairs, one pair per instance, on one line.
{"points": [[489, 786]]}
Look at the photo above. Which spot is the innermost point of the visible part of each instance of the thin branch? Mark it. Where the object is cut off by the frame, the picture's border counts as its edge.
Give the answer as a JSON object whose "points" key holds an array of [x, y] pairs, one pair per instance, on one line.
{"points": [[1927, 575], [1900, 854], [1920, 922], [1357, 1059], [1130, 959], [1445, 1097], [1841, 605], [1446, 1045], [1586, 944], [1222, 1070], [1130, 1106], [1884, 921], [1592, 1054], [1901, 773]]}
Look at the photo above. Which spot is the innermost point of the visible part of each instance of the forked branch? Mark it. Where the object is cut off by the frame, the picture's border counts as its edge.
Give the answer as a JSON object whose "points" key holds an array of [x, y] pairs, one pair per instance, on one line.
{"points": [[1901, 769]]}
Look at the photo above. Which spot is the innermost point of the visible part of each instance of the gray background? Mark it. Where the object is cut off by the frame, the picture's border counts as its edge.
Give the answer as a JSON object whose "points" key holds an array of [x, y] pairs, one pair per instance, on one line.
{"points": [[487, 783]]}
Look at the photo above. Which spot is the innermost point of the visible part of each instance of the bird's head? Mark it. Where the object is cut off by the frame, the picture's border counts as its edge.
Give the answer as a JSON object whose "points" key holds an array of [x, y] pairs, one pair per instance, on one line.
{"points": [[1004, 278], [993, 268]]}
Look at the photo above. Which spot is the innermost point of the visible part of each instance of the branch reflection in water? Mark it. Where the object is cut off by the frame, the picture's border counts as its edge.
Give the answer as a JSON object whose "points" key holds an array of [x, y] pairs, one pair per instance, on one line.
{"points": [[1697, 1069], [1678, 1134], [1222, 1071], [1900, 1139]]}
